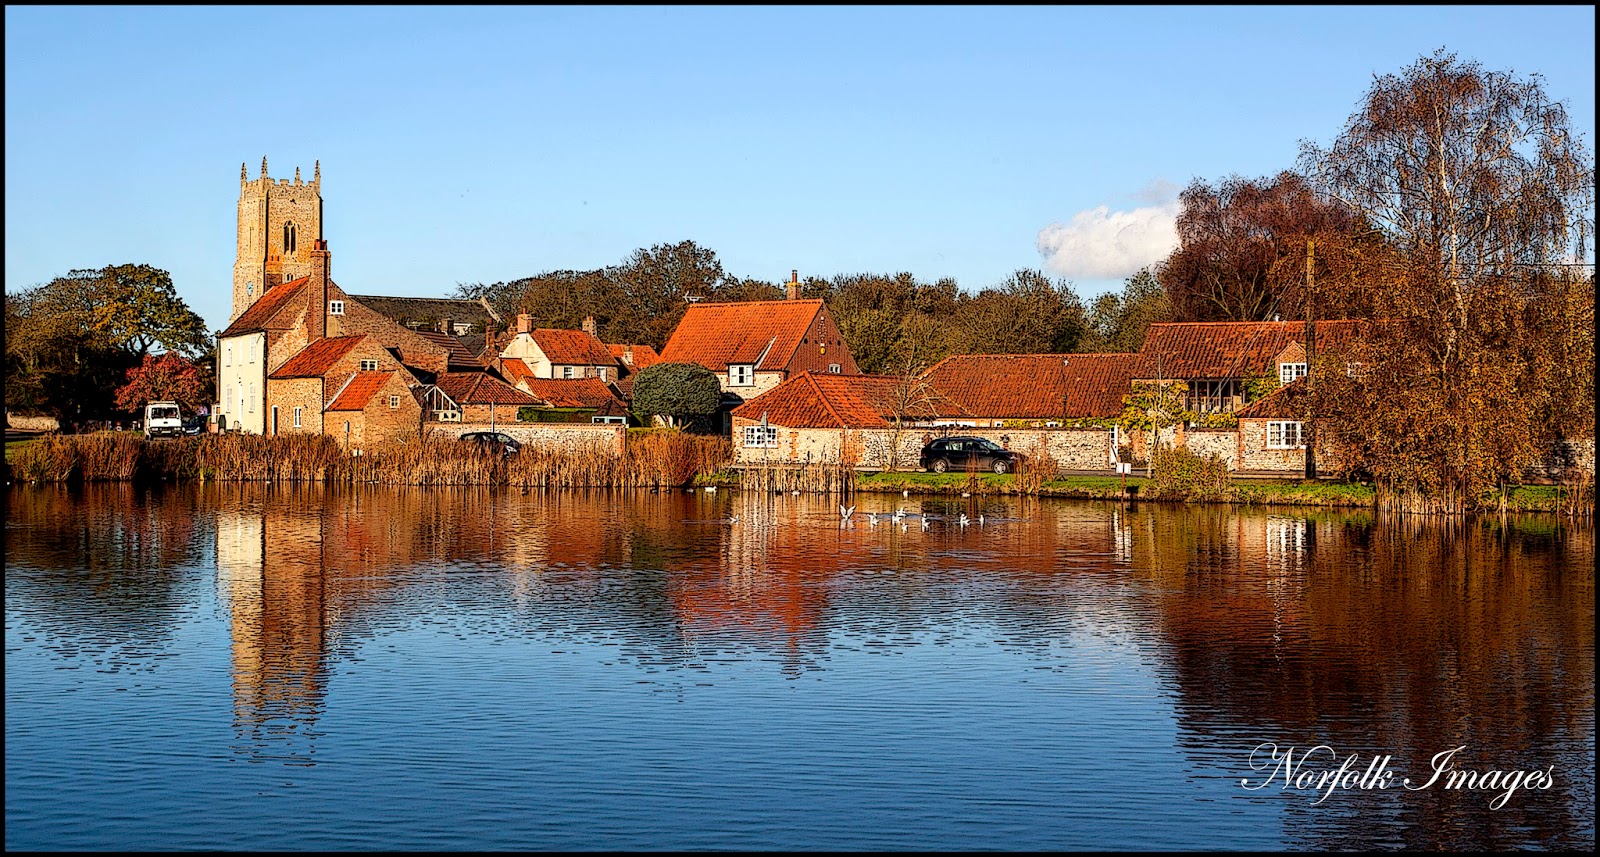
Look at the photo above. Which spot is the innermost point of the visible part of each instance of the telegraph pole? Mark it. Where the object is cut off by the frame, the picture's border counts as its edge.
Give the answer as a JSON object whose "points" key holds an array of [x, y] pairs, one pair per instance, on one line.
{"points": [[1307, 430]]}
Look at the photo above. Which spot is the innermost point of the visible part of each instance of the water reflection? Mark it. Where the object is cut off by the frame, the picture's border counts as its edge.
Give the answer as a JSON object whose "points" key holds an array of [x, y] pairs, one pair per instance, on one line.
{"points": [[1235, 626]]}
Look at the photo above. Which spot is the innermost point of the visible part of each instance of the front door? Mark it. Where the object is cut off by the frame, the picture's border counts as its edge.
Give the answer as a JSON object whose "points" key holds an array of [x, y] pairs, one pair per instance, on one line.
{"points": [[274, 419]]}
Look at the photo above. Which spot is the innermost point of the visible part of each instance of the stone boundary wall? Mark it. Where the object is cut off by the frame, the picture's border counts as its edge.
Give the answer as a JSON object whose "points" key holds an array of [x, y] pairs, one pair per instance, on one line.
{"points": [[1071, 449], [22, 423], [1567, 460], [1223, 443], [566, 437]]}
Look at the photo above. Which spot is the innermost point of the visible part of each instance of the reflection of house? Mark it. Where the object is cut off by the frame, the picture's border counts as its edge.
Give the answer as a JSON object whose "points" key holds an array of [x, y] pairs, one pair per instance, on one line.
{"points": [[1216, 359], [752, 346], [1035, 389]]}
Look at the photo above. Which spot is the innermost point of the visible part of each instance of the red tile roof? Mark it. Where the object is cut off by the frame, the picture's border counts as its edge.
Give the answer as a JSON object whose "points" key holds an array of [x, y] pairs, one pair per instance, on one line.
{"points": [[1036, 386], [818, 400], [1231, 349], [260, 313], [457, 355], [316, 359], [643, 356], [479, 388], [359, 391], [515, 369], [571, 393], [765, 334], [1285, 403], [572, 347]]}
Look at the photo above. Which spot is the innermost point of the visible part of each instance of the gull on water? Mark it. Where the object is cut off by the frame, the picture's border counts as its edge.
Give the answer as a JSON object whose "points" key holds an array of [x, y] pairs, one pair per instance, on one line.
{"points": [[963, 521]]}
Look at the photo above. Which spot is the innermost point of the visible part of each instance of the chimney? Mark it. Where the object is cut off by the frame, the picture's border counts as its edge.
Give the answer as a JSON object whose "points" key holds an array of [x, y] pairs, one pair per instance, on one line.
{"points": [[589, 327], [317, 310], [449, 326], [792, 288], [524, 324], [627, 355]]}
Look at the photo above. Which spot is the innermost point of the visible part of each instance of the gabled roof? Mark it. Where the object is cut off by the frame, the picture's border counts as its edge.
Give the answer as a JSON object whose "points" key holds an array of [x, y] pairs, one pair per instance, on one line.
{"points": [[820, 400], [572, 347], [359, 391], [1231, 349], [402, 309], [480, 388], [765, 334], [457, 355], [571, 393], [316, 359], [643, 355], [1036, 386], [259, 315], [1285, 403], [515, 369]]}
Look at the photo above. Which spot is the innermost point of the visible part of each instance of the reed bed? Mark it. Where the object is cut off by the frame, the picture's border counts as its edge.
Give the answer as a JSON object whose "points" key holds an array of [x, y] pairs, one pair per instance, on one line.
{"points": [[834, 478], [659, 460]]}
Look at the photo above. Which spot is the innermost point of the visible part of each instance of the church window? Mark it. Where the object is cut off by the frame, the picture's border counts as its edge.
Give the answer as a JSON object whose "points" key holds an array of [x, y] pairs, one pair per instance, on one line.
{"points": [[288, 237]]}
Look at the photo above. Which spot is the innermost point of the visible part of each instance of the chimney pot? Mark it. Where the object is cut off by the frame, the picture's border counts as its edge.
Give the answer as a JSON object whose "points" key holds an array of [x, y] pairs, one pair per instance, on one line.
{"points": [[589, 326], [524, 323]]}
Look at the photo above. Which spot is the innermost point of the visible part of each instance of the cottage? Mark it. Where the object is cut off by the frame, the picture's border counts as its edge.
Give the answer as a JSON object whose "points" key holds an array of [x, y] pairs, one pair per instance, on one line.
{"points": [[753, 346], [552, 353], [1272, 434], [1216, 360]]}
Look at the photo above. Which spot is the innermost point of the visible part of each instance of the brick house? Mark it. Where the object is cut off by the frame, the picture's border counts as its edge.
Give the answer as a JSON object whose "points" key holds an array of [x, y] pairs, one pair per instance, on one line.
{"points": [[752, 346], [1271, 434], [552, 353], [1216, 359], [374, 407], [473, 397]]}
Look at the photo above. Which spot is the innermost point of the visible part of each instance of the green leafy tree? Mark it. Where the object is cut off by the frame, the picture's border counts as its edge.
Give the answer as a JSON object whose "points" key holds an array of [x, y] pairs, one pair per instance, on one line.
{"points": [[1153, 407], [1118, 323], [678, 392]]}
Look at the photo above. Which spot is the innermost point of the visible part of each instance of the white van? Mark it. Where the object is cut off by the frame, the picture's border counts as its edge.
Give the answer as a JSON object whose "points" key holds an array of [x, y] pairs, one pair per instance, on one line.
{"points": [[163, 419]]}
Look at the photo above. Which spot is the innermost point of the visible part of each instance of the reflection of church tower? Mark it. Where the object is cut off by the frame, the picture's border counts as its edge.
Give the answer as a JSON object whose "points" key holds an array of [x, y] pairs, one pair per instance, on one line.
{"points": [[269, 570], [279, 223]]}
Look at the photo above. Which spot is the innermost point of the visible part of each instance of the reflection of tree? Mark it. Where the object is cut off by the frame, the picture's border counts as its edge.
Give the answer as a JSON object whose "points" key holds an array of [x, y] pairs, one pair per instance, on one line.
{"points": [[1406, 638], [102, 563]]}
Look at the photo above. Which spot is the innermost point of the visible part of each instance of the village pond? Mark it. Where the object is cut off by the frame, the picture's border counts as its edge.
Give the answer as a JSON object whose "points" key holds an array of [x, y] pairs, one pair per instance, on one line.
{"points": [[207, 666]]}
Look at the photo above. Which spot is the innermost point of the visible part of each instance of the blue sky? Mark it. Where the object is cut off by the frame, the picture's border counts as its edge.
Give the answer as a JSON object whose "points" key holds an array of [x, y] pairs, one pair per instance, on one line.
{"points": [[484, 144]]}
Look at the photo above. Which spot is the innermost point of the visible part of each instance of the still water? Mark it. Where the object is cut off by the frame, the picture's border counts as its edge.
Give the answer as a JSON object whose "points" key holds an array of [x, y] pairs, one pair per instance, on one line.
{"points": [[299, 668]]}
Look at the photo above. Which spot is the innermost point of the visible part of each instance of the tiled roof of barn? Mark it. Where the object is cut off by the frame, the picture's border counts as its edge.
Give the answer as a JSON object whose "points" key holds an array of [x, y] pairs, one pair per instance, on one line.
{"points": [[359, 391], [481, 388], [823, 400], [457, 355], [571, 393], [1036, 386], [572, 347], [643, 356], [1231, 349], [317, 358], [259, 315], [765, 334], [402, 309]]}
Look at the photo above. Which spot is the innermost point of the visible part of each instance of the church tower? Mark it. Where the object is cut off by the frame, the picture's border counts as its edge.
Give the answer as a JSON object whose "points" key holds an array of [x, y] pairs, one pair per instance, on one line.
{"points": [[279, 223]]}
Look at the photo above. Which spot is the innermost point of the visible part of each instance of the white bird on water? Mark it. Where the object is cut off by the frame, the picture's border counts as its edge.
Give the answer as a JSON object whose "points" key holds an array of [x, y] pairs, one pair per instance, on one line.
{"points": [[872, 519], [980, 519], [963, 521], [906, 493], [924, 523], [733, 519], [899, 514], [711, 489], [846, 513]]}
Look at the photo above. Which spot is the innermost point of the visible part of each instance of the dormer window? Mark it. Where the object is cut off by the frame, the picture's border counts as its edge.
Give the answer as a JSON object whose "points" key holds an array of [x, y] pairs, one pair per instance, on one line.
{"points": [[741, 375], [335, 307], [1288, 372], [369, 365]]}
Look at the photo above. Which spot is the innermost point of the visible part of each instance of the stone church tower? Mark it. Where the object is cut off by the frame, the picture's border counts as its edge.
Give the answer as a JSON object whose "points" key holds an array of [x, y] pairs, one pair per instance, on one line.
{"points": [[279, 223]]}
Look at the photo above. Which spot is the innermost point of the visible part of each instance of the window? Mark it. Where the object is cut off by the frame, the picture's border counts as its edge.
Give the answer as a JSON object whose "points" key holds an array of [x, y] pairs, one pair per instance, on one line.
{"points": [[600, 371], [335, 307], [288, 237], [741, 376], [760, 436], [249, 289], [252, 397], [609, 420], [1287, 372], [394, 402], [567, 371], [252, 351], [1283, 435], [834, 368], [297, 417], [369, 365]]}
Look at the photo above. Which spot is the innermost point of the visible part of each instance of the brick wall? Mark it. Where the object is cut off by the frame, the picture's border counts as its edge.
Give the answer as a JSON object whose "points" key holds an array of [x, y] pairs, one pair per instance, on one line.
{"points": [[289, 393], [414, 350], [1071, 449], [568, 437], [378, 422]]}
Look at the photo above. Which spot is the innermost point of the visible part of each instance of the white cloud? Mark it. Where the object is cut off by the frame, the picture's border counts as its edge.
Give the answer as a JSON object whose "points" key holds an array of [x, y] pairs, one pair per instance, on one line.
{"points": [[1101, 244]]}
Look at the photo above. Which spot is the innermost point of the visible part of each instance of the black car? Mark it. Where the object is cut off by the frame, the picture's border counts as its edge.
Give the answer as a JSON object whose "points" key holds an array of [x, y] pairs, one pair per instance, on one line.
{"points": [[194, 425], [963, 453], [493, 441]]}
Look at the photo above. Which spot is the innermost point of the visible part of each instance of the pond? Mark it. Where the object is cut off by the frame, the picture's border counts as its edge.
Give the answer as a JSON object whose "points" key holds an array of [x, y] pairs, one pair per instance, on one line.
{"points": [[260, 667]]}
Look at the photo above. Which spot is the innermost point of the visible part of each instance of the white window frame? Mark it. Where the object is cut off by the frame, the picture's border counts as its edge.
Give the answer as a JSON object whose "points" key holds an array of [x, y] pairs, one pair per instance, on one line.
{"points": [[252, 351], [252, 397], [742, 375], [394, 403], [833, 368], [1289, 372], [369, 365], [761, 437], [1116, 435], [1278, 435], [335, 307], [568, 373], [299, 422]]}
